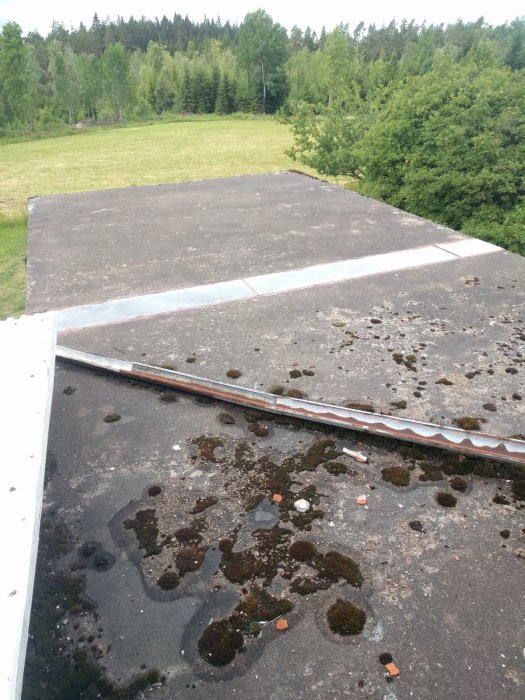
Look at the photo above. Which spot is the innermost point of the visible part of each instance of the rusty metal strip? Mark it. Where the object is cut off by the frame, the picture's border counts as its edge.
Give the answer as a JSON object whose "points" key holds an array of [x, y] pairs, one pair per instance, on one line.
{"points": [[448, 438]]}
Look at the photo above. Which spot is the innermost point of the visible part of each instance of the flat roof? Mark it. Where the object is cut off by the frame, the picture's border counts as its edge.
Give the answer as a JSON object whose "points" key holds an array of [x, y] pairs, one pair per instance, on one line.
{"points": [[144, 484]]}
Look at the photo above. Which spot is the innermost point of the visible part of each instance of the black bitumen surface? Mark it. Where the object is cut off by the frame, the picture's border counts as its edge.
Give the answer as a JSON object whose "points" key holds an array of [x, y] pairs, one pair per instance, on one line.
{"points": [[445, 599]]}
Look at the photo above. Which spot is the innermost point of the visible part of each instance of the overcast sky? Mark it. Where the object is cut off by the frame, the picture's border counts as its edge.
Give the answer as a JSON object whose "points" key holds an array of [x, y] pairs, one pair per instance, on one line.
{"points": [[39, 15]]}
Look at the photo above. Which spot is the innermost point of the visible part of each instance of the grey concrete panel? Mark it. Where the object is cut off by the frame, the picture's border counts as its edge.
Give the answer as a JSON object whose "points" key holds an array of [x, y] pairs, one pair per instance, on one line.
{"points": [[94, 246], [469, 318]]}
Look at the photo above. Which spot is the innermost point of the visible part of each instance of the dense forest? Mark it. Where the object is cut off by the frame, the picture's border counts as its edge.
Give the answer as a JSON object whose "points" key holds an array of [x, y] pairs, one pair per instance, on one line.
{"points": [[428, 118]]}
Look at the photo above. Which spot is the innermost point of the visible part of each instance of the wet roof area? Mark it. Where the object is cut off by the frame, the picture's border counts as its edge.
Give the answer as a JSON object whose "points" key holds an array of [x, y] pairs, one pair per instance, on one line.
{"points": [[174, 561]]}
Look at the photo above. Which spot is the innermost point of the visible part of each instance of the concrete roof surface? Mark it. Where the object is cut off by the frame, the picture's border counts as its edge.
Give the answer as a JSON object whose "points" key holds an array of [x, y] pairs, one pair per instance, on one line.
{"points": [[130, 465]]}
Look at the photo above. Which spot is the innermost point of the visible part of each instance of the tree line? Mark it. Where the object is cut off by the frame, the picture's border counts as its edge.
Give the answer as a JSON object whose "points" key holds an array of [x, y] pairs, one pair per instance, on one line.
{"points": [[428, 118]]}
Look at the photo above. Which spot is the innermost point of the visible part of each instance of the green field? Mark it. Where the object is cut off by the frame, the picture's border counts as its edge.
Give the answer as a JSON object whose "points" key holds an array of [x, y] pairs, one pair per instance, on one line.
{"points": [[100, 158]]}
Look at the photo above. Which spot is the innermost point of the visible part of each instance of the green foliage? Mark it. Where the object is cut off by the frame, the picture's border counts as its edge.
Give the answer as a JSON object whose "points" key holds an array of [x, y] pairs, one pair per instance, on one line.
{"points": [[116, 79], [14, 76], [450, 145], [325, 139], [262, 51]]}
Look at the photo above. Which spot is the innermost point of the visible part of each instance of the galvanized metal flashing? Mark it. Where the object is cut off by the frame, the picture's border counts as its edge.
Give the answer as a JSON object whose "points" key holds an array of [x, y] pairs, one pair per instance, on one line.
{"points": [[444, 437], [126, 309]]}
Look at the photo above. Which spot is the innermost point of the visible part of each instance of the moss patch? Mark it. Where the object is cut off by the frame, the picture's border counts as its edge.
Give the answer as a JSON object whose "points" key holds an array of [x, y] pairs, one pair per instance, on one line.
{"points": [[145, 526], [234, 373], [112, 418], [207, 446], [259, 605], [203, 503], [220, 643], [189, 559], [399, 476], [302, 550], [458, 484], [447, 500], [335, 566], [345, 618], [336, 468], [168, 581], [430, 472], [518, 489], [467, 423], [367, 407]]}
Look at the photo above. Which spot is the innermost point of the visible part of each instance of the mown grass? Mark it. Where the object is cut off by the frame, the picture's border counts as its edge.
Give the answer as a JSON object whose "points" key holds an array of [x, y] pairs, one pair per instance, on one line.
{"points": [[100, 158]]}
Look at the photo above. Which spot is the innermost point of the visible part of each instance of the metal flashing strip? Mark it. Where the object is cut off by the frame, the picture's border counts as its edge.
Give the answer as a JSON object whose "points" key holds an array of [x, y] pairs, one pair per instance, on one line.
{"points": [[126, 309], [469, 248], [348, 269], [434, 435], [118, 310]]}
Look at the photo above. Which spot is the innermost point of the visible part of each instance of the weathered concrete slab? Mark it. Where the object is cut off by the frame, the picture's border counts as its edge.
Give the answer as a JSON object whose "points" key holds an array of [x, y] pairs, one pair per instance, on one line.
{"points": [[430, 597], [95, 246], [461, 323], [445, 599]]}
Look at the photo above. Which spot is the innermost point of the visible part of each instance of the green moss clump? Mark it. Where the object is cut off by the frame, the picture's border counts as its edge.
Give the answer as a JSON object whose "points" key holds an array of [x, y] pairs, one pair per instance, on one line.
{"points": [[252, 416], [302, 550], [296, 394], [308, 373], [447, 500], [168, 581], [320, 452], [518, 489], [458, 484], [112, 418], [259, 605], [345, 618], [335, 566], [399, 476], [467, 423], [303, 521], [277, 390], [295, 373], [203, 503], [189, 559], [207, 446], [226, 419], [430, 472], [234, 373], [399, 404], [191, 360], [168, 397], [361, 406], [192, 533], [335, 468], [146, 531], [219, 643], [154, 490], [239, 567], [501, 500]]}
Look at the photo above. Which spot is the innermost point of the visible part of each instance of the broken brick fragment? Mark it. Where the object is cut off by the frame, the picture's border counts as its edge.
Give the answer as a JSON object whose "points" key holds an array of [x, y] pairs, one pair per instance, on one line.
{"points": [[392, 669], [281, 625]]}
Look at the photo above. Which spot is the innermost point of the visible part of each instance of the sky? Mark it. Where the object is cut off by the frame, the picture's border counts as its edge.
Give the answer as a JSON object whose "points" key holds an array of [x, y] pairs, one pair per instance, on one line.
{"points": [[35, 15]]}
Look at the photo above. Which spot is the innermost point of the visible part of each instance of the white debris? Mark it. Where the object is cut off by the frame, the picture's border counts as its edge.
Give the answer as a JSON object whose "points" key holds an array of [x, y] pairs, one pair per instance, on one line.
{"points": [[358, 456], [177, 448], [301, 505]]}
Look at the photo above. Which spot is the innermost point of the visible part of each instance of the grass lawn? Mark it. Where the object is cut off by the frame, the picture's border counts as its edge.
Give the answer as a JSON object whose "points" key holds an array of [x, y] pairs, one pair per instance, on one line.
{"points": [[101, 158]]}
